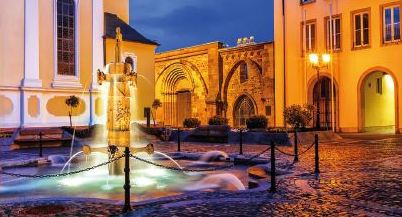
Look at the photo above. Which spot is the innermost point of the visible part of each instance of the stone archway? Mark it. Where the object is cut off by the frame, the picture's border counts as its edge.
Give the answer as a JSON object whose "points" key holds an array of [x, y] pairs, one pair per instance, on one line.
{"points": [[234, 87], [320, 92], [178, 86], [378, 102], [232, 71], [243, 109]]}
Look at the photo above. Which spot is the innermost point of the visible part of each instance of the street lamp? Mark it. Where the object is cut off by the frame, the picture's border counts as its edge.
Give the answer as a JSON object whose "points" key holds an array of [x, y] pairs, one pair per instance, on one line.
{"points": [[318, 63]]}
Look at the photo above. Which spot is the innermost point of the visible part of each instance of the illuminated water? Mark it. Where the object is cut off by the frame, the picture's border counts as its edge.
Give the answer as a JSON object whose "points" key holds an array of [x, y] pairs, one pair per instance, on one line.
{"points": [[147, 181]]}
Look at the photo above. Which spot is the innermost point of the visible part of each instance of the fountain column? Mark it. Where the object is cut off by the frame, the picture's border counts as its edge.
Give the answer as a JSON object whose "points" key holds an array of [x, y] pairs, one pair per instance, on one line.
{"points": [[120, 77]]}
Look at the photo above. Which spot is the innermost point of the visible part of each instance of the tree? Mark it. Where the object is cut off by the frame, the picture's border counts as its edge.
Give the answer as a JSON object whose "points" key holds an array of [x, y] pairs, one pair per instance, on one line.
{"points": [[72, 102], [298, 116], [155, 105]]}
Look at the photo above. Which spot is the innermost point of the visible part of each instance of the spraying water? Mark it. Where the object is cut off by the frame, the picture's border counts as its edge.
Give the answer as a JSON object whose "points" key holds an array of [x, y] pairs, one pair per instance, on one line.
{"points": [[69, 161]]}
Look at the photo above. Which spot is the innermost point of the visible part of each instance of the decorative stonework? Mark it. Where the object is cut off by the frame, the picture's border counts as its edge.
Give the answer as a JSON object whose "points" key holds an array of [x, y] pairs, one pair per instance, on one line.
{"points": [[7, 106], [259, 86], [211, 75], [56, 106], [33, 106]]}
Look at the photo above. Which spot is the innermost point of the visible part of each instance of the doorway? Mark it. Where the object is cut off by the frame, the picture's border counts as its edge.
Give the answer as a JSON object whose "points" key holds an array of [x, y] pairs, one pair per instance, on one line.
{"points": [[243, 109], [183, 105], [322, 99], [378, 103]]}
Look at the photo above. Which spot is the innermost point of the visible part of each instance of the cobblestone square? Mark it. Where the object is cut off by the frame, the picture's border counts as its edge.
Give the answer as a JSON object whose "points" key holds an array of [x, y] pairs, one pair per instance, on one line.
{"points": [[358, 178]]}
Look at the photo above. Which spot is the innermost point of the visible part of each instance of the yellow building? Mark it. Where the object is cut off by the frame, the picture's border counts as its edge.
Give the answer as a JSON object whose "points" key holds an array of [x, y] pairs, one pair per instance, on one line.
{"points": [[365, 61], [52, 49]]}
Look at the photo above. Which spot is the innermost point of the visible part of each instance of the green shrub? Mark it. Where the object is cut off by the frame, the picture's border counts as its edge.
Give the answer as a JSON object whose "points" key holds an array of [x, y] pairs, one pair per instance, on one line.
{"points": [[257, 122], [191, 122], [298, 116], [218, 120]]}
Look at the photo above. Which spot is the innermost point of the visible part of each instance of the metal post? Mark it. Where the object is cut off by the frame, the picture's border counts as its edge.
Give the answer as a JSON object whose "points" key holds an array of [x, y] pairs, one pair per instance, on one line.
{"points": [[241, 142], [296, 159], [318, 122], [178, 139], [317, 159], [273, 169], [127, 205], [40, 145]]}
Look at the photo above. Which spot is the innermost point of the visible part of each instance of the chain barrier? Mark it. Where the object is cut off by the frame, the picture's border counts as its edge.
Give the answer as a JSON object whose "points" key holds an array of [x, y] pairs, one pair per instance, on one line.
{"points": [[195, 170], [292, 155], [63, 174], [307, 149], [181, 169], [259, 154]]}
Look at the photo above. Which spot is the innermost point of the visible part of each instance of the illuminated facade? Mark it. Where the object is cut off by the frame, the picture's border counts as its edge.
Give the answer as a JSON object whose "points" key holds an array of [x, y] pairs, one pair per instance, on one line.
{"points": [[365, 61], [50, 50], [210, 79]]}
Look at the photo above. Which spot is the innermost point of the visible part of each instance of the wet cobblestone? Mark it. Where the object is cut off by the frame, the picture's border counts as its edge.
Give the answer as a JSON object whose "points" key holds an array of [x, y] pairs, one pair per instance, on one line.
{"points": [[358, 178]]}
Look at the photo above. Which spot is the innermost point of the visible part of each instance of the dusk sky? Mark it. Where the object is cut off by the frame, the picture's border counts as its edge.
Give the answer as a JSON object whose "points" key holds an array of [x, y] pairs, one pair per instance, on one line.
{"points": [[180, 23]]}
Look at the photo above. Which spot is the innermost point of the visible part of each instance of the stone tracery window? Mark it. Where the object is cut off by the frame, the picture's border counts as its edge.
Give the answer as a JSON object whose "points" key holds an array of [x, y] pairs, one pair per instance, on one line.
{"points": [[243, 109], [66, 37], [243, 72]]}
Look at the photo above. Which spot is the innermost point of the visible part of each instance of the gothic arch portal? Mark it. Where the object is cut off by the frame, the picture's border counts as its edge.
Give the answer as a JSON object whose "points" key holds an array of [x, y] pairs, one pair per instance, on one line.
{"points": [[178, 86], [243, 108]]}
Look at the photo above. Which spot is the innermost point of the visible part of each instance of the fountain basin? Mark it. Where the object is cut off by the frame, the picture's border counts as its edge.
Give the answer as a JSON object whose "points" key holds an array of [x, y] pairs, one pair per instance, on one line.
{"points": [[147, 182]]}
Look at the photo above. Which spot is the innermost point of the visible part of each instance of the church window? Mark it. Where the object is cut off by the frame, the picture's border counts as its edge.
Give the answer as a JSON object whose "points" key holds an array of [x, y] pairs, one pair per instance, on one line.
{"points": [[243, 73], [66, 37]]}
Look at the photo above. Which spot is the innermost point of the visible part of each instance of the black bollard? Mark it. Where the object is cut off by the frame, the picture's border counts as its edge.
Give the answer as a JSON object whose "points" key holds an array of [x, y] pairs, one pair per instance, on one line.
{"points": [[317, 158], [296, 159], [178, 139], [40, 145], [241, 142], [273, 169], [127, 205]]}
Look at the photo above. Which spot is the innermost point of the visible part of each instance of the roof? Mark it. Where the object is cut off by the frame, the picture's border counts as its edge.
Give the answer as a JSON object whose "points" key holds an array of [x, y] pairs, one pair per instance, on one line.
{"points": [[112, 21]]}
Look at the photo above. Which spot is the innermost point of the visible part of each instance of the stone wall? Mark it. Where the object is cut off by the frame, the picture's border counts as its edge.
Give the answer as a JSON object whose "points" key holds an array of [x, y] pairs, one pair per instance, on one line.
{"points": [[211, 74], [259, 85]]}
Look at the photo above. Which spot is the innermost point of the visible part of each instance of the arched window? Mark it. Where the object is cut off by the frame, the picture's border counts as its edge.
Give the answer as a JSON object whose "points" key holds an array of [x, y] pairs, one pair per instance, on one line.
{"points": [[243, 109], [243, 72], [66, 37]]}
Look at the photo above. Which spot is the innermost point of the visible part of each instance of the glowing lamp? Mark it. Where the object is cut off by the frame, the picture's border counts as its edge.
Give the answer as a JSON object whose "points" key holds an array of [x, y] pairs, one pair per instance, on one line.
{"points": [[314, 59], [326, 58]]}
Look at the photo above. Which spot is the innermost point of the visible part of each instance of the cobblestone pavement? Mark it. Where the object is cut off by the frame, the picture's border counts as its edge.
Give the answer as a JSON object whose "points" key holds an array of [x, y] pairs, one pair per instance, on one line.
{"points": [[358, 178]]}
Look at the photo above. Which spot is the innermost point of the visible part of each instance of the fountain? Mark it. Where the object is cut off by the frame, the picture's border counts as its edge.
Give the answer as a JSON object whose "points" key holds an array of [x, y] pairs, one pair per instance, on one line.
{"points": [[149, 181], [121, 77]]}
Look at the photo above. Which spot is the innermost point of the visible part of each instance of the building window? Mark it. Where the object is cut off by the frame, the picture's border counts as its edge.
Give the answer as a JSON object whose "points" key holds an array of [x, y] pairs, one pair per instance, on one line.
{"points": [[379, 86], [243, 73], [336, 33], [66, 37], [361, 32], [309, 37], [306, 1], [392, 24], [268, 110]]}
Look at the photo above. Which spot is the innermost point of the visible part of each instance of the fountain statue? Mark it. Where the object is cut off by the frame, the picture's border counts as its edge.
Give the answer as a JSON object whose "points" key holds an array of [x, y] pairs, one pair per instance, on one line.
{"points": [[120, 77]]}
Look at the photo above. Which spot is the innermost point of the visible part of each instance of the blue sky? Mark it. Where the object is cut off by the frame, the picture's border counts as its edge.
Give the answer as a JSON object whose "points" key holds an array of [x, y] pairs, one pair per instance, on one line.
{"points": [[180, 23]]}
